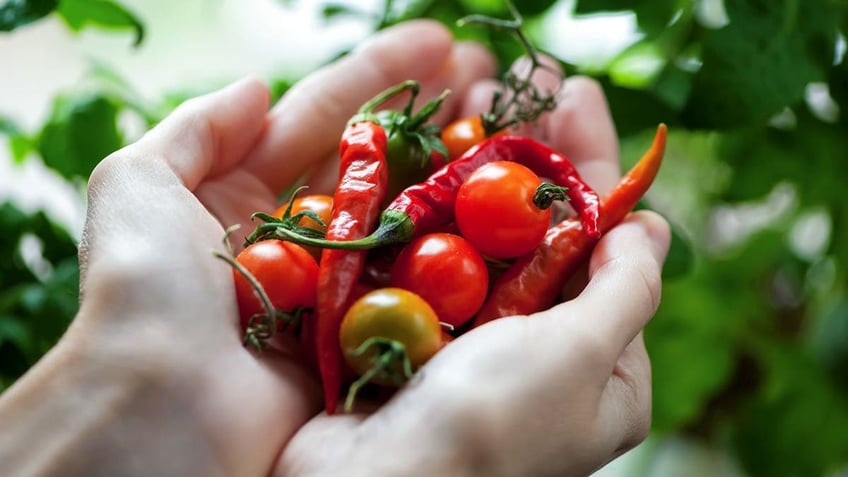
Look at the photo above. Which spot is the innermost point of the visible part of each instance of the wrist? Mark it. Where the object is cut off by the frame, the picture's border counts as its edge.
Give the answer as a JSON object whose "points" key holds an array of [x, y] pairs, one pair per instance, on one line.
{"points": [[84, 411]]}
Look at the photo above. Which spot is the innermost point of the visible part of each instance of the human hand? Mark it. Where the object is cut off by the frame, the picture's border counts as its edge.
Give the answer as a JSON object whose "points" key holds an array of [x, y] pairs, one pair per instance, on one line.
{"points": [[152, 378], [561, 392]]}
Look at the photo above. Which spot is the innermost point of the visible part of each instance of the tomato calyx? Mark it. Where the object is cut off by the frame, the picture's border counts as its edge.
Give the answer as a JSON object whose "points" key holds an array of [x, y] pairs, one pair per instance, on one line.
{"points": [[547, 193], [390, 363], [268, 229]]}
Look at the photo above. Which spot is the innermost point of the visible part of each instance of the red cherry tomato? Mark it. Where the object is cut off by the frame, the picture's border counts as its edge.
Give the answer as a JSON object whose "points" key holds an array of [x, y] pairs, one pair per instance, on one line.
{"points": [[392, 315], [287, 273], [447, 272], [495, 211]]}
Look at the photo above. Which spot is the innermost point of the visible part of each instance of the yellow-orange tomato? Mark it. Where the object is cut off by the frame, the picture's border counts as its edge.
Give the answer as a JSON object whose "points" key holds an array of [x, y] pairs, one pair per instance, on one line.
{"points": [[460, 135], [391, 315], [320, 204]]}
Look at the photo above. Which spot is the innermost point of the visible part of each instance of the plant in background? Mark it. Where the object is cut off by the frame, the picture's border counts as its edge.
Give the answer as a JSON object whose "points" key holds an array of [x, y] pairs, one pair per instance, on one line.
{"points": [[749, 348]]}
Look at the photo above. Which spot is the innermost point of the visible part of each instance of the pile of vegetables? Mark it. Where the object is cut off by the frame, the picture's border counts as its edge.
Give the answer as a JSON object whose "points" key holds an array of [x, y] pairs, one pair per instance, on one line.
{"points": [[430, 232]]}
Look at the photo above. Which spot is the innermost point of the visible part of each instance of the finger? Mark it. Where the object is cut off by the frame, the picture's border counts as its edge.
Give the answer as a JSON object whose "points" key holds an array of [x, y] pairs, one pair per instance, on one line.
{"points": [[478, 98], [625, 405], [582, 128], [202, 137], [306, 124], [624, 283], [209, 134]]}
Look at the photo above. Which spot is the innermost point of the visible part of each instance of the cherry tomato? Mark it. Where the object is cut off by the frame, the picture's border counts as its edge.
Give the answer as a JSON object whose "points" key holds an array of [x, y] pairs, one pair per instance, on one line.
{"points": [[495, 211], [394, 315], [460, 135], [320, 204], [286, 271], [447, 272]]}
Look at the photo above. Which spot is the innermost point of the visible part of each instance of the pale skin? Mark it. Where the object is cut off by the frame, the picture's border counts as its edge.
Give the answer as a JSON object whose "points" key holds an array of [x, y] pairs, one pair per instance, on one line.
{"points": [[152, 379]]}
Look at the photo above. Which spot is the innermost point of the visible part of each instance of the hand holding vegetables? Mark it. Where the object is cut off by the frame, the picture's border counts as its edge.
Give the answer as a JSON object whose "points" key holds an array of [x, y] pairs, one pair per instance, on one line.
{"points": [[152, 377]]}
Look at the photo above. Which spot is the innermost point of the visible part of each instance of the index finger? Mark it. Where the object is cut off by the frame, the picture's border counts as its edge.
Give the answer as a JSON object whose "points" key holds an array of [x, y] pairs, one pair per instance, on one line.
{"points": [[625, 283], [305, 126], [581, 127]]}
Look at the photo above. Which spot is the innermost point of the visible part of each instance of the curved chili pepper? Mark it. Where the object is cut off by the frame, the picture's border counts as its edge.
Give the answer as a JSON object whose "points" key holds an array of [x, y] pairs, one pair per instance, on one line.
{"points": [[356, 205], [534, 281], [427, 206]]}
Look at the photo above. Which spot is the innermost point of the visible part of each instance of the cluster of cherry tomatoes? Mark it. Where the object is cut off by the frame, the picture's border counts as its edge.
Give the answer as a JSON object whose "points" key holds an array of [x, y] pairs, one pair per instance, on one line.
{"points": [[419, 294]]}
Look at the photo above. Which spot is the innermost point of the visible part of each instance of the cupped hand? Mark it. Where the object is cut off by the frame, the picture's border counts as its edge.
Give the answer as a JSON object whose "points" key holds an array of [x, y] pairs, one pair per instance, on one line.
{"points": [[560, 392], [156, 302]]}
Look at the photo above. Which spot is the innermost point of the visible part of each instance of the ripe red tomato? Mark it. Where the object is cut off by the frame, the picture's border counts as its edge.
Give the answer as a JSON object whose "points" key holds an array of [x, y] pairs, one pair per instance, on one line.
{"points": [[287, 273], [446, 271], [393, 315], [495, 211], [461, 134]]}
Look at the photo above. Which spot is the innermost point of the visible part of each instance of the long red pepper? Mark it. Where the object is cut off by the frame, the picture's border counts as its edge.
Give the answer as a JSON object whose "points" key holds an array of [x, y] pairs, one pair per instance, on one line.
{"points": [[356, 207], [534, 281], [427, 206]]}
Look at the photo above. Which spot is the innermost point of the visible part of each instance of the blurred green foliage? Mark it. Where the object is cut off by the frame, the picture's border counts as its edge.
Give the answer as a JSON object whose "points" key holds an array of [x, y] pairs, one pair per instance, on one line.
{"points": [[750, 345]]}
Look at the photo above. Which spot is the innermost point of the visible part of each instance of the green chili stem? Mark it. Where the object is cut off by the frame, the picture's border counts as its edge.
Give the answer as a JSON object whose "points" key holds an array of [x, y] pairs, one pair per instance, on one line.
{"points": [[366, 112], [393, 228]]}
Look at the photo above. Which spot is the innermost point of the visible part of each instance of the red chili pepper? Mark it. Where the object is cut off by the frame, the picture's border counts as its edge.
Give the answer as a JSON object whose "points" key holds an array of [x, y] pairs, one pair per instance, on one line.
{"points": [[427, 206], [534, 281], [356, 206]]}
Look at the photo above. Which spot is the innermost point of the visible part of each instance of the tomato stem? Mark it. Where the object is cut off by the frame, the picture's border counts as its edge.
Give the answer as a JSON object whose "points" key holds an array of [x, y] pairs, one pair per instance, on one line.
{"points": [[256, 334], [390, 353], [547, 193], [524, 102]]}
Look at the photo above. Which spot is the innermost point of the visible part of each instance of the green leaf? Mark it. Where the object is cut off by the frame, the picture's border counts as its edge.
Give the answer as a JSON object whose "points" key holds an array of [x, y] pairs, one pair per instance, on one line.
{"points": [[8, 127], [681, 257], [637, 66], [14, 332], [830, 342], [652, 15], [17, 13], [798, 424], [81, 131], [636, 110], [761, 61], [588, 7], [19, 143], [103, 13]]}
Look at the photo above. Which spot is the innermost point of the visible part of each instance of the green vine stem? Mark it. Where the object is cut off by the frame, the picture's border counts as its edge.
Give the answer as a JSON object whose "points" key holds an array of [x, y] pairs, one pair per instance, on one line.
{"points": [[519, 101]]}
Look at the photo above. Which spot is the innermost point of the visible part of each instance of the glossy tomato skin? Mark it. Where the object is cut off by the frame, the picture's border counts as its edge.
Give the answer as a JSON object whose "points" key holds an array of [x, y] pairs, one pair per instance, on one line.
{"points": [[446, 271], [495, 211], [286, 271], [392, 314], [320, 204], [464, 133]]}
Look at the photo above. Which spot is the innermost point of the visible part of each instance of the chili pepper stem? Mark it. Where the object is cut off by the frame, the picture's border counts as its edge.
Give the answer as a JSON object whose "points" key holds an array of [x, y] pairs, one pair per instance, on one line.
{"points": [[366, 112], [393, 228]]}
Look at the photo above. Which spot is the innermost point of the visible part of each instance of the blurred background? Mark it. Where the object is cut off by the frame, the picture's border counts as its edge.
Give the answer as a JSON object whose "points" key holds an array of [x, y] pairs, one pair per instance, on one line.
{"points": [[750, 345]]}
